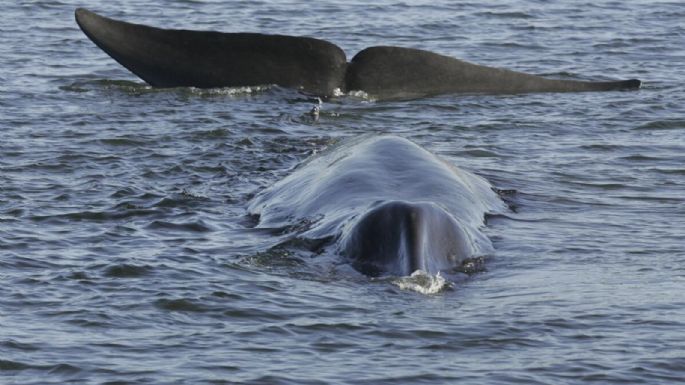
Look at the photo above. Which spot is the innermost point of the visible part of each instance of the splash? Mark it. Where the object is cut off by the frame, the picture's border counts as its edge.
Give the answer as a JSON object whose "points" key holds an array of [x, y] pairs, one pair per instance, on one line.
{"points": [[423, 282], [356, 94], [230, 91]]}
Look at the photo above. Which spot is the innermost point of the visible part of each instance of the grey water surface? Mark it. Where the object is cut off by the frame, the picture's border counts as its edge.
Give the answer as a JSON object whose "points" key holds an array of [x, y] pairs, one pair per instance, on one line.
{"points": [[127, 255]]}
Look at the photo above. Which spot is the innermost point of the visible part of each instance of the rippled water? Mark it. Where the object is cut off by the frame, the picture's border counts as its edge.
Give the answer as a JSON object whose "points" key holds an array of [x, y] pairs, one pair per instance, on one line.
{"points": [[127, 255]]}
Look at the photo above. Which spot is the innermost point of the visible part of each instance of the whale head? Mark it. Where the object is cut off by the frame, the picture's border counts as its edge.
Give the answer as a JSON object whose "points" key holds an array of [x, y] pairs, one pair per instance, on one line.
{"points": [[398, 238]]}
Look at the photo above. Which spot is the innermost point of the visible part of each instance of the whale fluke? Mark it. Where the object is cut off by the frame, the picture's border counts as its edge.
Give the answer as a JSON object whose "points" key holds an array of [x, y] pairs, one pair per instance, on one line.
{"points": [[409, 72], [180, 58], [205, 59]]}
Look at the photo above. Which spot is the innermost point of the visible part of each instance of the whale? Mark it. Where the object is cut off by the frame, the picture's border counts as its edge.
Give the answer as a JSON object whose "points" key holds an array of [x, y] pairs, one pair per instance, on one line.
{"points": [[385, 205], [207, 59]]}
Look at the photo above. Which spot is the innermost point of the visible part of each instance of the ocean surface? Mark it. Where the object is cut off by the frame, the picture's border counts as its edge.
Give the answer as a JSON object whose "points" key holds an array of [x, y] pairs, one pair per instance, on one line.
{"points": [[127, 255]]}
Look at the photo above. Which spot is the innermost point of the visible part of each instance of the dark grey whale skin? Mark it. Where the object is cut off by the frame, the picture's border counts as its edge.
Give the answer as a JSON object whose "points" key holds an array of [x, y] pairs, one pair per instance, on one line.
{"points": [[393, 239], [411, 72], [179, 58]]}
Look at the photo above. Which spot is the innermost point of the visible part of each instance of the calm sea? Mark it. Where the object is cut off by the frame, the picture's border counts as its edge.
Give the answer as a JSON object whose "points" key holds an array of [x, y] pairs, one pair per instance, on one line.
{"points": [[127, 255]]}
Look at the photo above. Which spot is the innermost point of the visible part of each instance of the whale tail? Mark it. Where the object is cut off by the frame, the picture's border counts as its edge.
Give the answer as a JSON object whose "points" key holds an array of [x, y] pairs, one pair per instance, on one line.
{"points": [[398, 238], [173, 58]]}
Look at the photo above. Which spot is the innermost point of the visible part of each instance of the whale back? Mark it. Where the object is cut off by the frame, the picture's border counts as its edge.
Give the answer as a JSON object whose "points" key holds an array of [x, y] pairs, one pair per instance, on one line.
{"points": [[365, 171], [174, 58], [332, 191]]}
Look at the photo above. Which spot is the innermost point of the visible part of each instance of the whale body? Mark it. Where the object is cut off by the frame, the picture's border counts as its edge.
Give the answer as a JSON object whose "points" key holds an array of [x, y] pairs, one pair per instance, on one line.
{"points": [[205, 59], [388, 206]]}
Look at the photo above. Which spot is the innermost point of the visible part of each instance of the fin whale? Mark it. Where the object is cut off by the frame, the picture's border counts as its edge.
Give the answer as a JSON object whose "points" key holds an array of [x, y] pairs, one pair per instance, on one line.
{"points": [[386, 205], [205, 59]]}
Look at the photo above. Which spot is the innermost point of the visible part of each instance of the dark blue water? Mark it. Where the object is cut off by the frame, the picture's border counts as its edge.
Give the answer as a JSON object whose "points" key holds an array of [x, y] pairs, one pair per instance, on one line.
{"points": [[127, 255]]}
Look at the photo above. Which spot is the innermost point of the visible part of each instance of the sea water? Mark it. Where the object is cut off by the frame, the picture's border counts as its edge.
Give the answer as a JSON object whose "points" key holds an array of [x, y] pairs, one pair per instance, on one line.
{"points": [[127, 255]]}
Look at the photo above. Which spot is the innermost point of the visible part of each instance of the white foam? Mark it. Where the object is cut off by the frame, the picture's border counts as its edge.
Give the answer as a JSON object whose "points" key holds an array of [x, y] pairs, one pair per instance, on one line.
{"points": [[229, 91], [423, 282], [360, 95]]}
